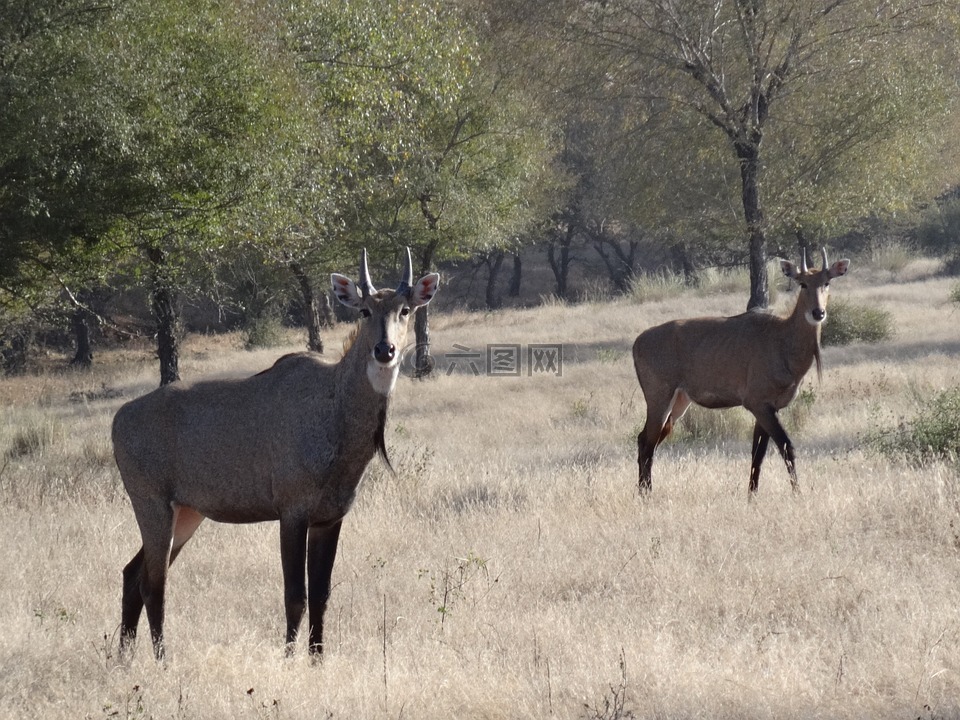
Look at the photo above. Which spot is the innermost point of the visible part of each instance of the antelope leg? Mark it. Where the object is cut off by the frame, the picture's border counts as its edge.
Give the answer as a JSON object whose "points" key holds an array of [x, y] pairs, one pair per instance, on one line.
{"points": [[147, 572], [659, 423], [768, 420], [132, 602], [321, 553], [760, 439], [293, 557]]}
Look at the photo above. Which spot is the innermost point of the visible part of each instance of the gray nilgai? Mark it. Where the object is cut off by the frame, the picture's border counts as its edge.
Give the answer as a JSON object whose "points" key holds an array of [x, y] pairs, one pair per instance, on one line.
{"points": [[755, 360], [288, 444]]}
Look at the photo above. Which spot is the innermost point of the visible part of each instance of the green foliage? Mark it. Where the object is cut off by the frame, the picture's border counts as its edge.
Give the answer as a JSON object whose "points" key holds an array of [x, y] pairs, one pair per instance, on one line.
{"points": [[850, 322], [939, 233], [955, 294], [453, 156], [193, 117], [933, 434], [263, 331], [55, 178]]}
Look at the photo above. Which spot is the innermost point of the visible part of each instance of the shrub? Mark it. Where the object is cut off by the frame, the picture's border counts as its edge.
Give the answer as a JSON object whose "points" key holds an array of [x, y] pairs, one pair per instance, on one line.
{"points": [[849, 322], [265, 331], [939, 232], [933, 434]]}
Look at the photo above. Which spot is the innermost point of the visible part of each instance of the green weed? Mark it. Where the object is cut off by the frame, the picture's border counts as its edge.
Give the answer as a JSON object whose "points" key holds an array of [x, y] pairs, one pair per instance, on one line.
{"points": [[848, 322], [933, 434]]}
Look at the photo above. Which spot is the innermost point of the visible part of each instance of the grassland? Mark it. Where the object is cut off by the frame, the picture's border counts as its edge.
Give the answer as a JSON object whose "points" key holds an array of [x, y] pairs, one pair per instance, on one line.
{"points": [[510, 569]]}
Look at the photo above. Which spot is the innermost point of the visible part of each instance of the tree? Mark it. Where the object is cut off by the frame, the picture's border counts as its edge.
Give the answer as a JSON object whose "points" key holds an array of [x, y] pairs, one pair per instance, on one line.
{"points": [[795, 97], [56, 177], [194, 117], [432, 149]]}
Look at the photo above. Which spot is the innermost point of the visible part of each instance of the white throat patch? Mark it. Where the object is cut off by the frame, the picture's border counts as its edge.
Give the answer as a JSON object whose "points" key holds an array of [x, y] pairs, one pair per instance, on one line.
{"points": [[383, 377]]}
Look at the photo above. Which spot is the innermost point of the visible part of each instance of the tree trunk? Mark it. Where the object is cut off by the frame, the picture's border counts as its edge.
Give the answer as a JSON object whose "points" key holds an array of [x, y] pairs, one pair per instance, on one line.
{"points": [[327, 318], [681, 255], [619, 262], [79, 325], [165, 313], [311, 308], [513, 288], [560, 264], [494, 262], [15, 342], [803, 245], [748, 153], [421, 325]]}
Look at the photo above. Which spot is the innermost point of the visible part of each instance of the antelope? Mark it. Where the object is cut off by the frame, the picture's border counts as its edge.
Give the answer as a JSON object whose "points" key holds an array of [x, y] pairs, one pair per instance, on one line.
{"points": [[755, 360], [290, 444]]}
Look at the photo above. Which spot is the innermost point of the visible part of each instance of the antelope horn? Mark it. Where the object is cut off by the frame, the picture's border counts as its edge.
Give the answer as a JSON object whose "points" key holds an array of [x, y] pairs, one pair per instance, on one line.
{"points": [[407, 282], [803, 260], [823, 254], [366, 285]]}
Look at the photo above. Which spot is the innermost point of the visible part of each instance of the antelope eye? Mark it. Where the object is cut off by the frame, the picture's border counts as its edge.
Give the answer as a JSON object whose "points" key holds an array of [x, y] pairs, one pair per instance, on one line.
{"points": [[365, 312], [404, 311]]}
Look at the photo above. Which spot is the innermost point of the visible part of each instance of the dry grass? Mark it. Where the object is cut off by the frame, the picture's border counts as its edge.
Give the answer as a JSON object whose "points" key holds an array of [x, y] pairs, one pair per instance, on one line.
{"points": [[510, 568]]}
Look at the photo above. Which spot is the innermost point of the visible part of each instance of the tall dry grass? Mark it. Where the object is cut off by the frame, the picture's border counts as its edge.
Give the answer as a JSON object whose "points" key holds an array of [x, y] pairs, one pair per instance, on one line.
{"points": [[510, 569]]}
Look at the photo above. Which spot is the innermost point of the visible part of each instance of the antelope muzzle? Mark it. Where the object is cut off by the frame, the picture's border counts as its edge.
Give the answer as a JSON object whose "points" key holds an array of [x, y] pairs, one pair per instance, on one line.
{"points": [[384, 352]]}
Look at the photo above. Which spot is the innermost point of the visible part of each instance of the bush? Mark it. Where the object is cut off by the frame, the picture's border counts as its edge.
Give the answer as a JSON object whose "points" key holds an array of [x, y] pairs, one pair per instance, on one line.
{"points": [[849, 322], [265, 331], [15, 342], [939, 232], [934, 434]]}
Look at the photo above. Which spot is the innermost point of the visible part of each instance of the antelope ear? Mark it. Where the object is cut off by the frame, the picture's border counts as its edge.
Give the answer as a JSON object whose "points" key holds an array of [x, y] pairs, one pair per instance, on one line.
{"points": [[424, 290], [345, 290], [839, 268], [789, 269]]}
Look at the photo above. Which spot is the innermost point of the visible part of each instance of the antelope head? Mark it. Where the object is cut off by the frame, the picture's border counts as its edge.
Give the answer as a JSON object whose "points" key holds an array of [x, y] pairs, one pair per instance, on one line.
{"points": [[814, 285], [386, 315]]}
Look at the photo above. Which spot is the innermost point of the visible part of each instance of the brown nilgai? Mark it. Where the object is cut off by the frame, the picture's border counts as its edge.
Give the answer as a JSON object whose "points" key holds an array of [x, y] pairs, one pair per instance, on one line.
{"points": [[755, 360], [288, 444]]}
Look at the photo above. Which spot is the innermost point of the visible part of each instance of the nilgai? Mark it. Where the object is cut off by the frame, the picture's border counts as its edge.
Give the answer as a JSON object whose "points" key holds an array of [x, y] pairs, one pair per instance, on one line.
{"points": [[755, 360], [288, 444]]}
